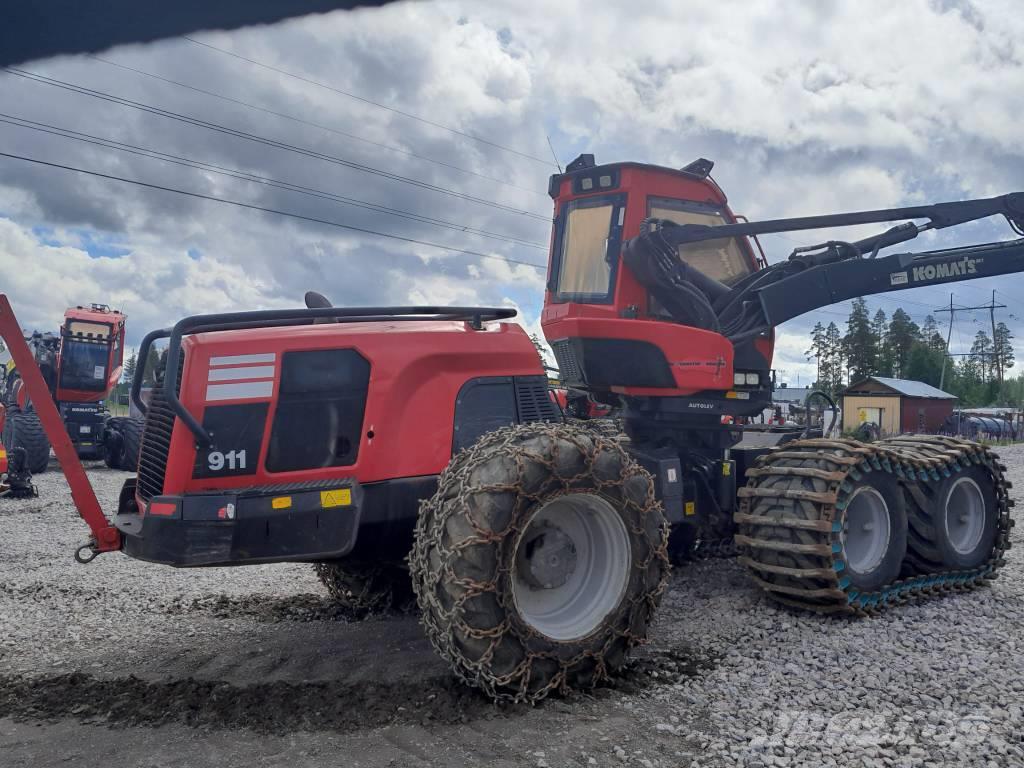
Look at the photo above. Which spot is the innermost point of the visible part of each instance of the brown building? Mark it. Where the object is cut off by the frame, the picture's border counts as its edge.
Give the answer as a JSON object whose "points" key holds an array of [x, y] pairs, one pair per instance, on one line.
{"points": [[895, 405]]}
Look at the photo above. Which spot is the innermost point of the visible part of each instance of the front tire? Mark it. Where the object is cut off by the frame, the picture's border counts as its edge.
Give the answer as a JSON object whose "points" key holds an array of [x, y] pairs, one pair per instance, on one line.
{"points": [[24, 430], [540, 561]]}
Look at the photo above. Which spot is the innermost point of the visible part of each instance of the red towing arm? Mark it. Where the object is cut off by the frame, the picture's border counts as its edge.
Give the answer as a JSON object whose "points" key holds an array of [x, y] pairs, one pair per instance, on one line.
{"points": [[105, 537]]}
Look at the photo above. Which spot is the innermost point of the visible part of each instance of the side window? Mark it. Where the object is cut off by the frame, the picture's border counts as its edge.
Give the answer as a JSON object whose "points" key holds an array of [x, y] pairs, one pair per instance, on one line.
{"points": [[319, 417]]}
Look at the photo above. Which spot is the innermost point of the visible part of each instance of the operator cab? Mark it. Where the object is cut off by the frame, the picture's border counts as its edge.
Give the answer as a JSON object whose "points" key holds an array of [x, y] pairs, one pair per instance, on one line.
{"points": [[91, 353], [614, 329]]}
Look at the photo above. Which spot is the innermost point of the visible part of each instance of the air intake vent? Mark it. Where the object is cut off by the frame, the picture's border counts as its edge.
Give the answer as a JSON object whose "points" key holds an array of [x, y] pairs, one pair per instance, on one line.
{"points": [[533, 400], [156, 441], [568, 364]]}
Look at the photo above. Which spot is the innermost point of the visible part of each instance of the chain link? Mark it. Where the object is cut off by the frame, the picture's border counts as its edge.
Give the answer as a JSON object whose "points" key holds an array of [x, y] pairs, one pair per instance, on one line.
{"points": [[463, 559]]}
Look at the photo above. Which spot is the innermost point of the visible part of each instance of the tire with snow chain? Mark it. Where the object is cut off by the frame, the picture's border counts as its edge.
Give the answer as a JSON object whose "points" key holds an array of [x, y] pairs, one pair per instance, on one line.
{"points": [[24, 430], [364, 589], [123, 441], [540, 561]]}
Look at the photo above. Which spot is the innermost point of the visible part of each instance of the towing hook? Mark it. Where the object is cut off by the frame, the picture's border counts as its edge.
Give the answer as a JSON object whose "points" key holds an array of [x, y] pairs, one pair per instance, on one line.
{"points": [[91, 548]]}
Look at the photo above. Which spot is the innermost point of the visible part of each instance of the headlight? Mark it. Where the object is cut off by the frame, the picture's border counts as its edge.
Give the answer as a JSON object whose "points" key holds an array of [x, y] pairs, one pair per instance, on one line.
{"points": [[753, 379], [738, 379]]}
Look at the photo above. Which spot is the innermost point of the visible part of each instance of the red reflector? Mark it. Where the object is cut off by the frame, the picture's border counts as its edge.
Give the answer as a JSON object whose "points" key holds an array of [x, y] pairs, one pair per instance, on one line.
{"points": [[162, 508]]}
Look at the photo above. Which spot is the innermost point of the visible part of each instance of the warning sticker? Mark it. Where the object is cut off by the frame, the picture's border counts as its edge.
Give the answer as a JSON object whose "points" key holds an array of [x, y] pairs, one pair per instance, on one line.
{"points": [[690, 509], [97, 372], [340, 497]]}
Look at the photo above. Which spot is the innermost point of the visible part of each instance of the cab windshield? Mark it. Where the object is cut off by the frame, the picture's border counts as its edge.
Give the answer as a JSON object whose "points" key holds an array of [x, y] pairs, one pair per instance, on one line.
{"points": [[723, 260], [85, 355]]}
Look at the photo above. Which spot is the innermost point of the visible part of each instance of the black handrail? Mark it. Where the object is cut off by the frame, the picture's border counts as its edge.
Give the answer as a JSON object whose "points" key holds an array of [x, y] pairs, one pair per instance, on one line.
{"points": [[232, 321], [140, 366]]}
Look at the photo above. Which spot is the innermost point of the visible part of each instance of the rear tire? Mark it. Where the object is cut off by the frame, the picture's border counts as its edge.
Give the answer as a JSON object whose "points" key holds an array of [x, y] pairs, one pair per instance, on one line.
{"points": [[24, 430], [965, 519], [540, 561], [122, 442], [363, 589]]}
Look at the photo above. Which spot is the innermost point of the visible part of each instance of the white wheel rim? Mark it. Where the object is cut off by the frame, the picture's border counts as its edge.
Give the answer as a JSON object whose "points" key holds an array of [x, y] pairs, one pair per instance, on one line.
{"points": [[571, 566], [964, 516], [866, 530]]}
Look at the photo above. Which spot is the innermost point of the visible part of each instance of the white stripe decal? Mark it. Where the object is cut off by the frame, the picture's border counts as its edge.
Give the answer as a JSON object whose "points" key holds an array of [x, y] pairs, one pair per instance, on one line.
{"points": [[234, 374], [268, 357], [244, 390]]}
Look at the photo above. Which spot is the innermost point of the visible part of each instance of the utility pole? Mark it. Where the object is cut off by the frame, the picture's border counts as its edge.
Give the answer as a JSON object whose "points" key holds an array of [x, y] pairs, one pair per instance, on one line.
{"points": [[995, 349], [991, 307], [949, 335]]}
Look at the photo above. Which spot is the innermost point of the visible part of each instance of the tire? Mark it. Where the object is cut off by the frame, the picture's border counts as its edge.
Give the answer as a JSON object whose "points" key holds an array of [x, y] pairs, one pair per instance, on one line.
{"points": [[873, 556], [540, 561], [24, 430], [367, 588], [122, 442], [964, 519]]}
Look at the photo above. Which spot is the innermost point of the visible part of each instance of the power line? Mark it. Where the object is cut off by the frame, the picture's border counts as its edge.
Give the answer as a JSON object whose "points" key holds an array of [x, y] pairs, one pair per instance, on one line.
{"points": [[235, 173], [253, 207], [363, 99], [322, 127], [268, 142]]}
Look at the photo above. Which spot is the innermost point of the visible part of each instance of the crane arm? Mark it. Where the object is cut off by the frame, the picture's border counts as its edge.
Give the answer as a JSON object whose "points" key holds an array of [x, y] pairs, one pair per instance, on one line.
{"points": [[819, 275]]}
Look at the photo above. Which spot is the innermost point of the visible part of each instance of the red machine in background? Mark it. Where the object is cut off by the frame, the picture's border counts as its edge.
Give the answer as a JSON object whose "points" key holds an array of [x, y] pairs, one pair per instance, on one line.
{"points": [[80, 366]]}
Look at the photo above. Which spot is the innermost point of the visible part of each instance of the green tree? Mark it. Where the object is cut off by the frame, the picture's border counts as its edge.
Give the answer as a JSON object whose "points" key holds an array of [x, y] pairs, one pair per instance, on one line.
{"points": [[817, 349], [982, 355], [128, 371], [902, 335], [924, 364], [880, 330], [834, 362], [1003, 347], [859, 341]]}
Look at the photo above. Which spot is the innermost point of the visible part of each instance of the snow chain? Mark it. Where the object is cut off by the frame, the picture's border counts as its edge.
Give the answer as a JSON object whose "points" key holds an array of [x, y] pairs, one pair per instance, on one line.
{"points": [[484, 501]]}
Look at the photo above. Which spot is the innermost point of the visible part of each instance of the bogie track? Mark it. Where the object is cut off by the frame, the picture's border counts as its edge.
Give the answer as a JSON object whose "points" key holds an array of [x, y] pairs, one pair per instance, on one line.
{"points": [[795, 514]]}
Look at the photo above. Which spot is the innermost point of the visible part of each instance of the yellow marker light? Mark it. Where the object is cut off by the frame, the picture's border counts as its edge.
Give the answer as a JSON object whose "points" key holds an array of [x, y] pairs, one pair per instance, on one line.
{"points": [[690, 509], [731, 395], [340, 497], [281, 502]]}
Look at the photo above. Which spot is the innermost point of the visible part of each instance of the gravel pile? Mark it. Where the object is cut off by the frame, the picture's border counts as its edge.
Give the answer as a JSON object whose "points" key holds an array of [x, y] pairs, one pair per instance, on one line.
{"points": [[259, 657]]}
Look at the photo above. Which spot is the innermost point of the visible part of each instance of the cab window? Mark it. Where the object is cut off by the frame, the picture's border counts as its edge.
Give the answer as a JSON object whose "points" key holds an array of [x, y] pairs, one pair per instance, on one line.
{"points": [[723, 260], [589, 239]]}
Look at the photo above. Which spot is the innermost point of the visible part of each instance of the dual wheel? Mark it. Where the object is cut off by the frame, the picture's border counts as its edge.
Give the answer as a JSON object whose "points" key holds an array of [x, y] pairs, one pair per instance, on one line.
{"points": [[882, 533]]}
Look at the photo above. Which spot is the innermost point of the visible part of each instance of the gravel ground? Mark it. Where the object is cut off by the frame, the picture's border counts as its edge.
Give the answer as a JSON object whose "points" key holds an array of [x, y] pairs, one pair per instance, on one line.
{"points": [[123, 663]]}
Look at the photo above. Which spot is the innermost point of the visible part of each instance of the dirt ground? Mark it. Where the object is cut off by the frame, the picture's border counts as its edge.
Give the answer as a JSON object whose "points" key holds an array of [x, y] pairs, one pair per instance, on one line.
{"points": [[124, 663]]}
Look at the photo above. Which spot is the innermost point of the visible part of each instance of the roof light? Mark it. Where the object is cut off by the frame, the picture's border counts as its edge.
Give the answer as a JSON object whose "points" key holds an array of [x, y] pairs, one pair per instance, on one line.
{"points": [[605, 181], [738, 379], [753, 379], [587, 183]]}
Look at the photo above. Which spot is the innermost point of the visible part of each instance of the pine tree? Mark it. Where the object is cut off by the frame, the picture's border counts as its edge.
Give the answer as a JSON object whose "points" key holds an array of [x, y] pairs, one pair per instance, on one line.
{"points": [[128, 372], [903, 333], [817, 348], [981, 355], [1003, 347], [880, 329], [859, 341], [834, 360]]}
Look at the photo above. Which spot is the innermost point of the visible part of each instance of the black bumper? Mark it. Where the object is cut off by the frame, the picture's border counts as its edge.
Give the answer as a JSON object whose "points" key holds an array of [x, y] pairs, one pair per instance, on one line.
{"points": [[297, 523]]}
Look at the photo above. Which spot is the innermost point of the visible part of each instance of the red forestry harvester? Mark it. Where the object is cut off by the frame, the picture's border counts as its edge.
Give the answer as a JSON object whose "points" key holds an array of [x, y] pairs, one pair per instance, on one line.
{"points": [[80, 366], [417, 449]]}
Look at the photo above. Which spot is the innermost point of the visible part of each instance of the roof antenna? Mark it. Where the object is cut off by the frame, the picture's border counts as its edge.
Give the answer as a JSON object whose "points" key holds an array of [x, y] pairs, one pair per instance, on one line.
{"points": [[552, 148]]}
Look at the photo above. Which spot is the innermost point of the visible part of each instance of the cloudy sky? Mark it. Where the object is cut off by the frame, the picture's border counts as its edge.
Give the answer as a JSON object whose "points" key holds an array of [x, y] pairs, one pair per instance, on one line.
{"points": [[440, 111]]}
